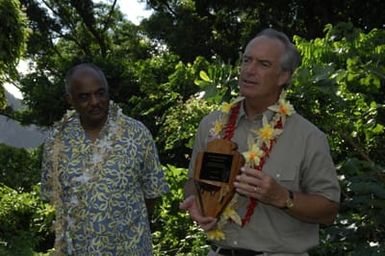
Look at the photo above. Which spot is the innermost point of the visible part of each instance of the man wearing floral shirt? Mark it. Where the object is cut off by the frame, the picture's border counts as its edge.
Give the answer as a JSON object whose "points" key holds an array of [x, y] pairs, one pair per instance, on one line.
{"points": [[288, 185], [101, 172]]}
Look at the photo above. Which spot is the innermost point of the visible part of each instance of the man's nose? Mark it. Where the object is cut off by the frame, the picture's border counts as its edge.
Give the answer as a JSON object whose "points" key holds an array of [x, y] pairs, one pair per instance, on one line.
{"points": [[94, 100], [251, 68]]}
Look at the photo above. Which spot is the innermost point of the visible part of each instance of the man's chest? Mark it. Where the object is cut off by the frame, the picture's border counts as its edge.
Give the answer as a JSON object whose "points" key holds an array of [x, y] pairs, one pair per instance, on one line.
{"points": [[115, 164]]}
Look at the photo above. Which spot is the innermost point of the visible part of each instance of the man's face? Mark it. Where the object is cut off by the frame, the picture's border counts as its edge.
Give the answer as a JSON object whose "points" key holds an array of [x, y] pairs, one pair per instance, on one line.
{"points": [[89, 97], [261, 75]]}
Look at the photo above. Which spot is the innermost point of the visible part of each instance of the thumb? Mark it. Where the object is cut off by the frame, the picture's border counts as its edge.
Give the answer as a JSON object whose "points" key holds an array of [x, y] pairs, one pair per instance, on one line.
{"points": [[187, 203]]}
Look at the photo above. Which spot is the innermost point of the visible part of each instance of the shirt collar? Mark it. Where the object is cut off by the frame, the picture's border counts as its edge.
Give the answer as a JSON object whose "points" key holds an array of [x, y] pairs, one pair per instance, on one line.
{"points": [[242, 114]]}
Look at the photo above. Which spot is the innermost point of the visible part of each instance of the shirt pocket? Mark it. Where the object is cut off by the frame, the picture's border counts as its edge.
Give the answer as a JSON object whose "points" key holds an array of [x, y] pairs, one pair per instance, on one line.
{"points": [[286, 174]]}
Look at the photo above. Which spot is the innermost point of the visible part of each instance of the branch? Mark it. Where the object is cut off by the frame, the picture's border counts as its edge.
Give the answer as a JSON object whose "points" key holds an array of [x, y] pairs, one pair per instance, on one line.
{"points": [[168, 7], [67, 21], [109, 17], [359, 149], [88, 23], [69, 24], [8, 113]]}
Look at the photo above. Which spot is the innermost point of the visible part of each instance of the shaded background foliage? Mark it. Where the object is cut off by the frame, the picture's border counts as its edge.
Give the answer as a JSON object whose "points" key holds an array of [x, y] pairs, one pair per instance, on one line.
{"points": [[174, 68]]}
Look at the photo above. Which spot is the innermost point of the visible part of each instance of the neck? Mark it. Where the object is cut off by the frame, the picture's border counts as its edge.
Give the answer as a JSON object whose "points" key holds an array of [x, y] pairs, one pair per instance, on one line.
{"points": [[254, 107], [93, 128]]}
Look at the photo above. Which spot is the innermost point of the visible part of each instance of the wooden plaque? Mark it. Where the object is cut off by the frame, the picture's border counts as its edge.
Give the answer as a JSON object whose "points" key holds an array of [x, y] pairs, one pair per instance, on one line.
{"points": [[214, 176]]}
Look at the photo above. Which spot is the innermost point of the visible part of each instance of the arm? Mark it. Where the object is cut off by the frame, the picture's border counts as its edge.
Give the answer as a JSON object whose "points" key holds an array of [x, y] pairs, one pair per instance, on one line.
{"points": [[150, 205], [189, 188], [152, 180], [321, 209]]}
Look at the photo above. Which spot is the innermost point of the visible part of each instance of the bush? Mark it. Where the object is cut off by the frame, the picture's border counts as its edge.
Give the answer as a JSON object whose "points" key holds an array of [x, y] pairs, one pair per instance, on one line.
{"points": [[19, 167], [25, 222], [175, 233], [359, 228]]}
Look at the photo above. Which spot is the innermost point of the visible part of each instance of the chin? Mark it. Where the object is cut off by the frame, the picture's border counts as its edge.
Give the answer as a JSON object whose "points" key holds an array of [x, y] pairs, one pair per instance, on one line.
{"points": [[247, 93], [96, 119]]}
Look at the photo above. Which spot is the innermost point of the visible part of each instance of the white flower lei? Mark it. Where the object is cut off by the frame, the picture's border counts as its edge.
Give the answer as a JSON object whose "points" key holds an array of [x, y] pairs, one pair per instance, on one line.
{"points": [[101, 150]]}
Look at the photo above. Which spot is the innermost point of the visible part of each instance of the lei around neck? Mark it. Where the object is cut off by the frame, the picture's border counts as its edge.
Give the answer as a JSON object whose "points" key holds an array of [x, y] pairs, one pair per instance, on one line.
{"points": [[260, 144]]}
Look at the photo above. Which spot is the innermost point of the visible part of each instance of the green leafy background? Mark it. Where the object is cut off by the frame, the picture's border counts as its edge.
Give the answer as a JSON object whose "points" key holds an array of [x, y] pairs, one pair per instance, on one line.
{"points": [[175, 67]]}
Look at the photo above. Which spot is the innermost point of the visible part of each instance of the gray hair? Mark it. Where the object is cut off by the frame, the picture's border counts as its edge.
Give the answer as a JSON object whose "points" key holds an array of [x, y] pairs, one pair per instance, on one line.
{"points": [[72, 71], [291, 58]]}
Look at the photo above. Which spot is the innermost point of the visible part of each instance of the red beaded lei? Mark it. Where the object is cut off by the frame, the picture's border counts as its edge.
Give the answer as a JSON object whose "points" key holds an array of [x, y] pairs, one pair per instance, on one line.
{"points": [[229, 133]]}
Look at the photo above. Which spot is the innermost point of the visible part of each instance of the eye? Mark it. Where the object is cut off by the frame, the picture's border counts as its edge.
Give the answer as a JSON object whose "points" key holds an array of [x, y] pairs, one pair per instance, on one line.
{"points": [[84, 96], [246, 59], [101, 93], [264, 63]]}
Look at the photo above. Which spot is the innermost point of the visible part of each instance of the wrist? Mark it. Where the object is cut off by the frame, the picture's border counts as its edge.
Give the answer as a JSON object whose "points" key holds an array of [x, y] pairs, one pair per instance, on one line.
{"points": [[289, 202]]}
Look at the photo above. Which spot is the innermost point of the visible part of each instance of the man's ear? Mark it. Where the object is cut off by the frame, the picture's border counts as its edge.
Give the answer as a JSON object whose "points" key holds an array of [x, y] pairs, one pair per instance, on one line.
{"points": [[284, 78], [68, 99]]}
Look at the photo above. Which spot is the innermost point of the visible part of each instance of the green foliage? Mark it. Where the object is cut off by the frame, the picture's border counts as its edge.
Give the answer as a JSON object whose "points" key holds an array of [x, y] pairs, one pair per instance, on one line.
{"points": [[19, 168], [25, 222], [175, 233], [359, 228], [340, 87], [14, 32], [157, 78], [179, 127], [221, 28], [215, 83]]}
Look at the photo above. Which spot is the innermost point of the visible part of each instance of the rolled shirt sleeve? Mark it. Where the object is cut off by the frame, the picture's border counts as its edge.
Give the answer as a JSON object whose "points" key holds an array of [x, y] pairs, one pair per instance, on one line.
{"points": [[153, 180], [319, 176]]}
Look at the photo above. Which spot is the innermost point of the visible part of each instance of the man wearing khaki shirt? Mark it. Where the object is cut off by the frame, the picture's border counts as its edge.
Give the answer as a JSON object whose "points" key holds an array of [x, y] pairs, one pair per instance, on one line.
{"points": [[292, 181]]}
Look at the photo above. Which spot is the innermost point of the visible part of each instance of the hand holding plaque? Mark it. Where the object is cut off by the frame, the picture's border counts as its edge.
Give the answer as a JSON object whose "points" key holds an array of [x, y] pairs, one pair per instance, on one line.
{"points": [[214, 175]]}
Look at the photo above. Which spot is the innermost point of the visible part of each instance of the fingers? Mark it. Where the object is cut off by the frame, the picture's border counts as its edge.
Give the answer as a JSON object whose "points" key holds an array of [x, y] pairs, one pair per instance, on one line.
{"points": [[190, 205], [252, 172], [208, 225], [250, 191], [250, 181], [187, 203]]}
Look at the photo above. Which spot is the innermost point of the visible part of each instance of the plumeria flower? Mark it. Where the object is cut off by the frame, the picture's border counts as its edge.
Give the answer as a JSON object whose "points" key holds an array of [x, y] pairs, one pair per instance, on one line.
{"points": [[283, 106], [230, 214], [226, 107], [253, 156], [267, 133], [218, 127], [286, 108], [215, 234]]}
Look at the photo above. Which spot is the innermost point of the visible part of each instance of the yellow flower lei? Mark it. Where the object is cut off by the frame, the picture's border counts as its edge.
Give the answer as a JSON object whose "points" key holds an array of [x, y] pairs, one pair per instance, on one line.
{"points": [[263, 137]]}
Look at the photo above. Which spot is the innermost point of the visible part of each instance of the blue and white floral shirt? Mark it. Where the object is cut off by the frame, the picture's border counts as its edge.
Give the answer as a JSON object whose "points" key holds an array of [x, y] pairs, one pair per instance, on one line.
{"points": [[102, 186]]}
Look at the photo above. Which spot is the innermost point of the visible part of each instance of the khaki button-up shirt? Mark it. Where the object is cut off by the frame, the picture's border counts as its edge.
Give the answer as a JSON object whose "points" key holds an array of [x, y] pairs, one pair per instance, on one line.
{"points": [[300, 160]]}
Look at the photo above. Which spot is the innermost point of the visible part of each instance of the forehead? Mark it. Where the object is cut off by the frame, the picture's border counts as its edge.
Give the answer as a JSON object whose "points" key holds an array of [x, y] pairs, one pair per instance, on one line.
{"points": [[86, 79], [263, 47]]}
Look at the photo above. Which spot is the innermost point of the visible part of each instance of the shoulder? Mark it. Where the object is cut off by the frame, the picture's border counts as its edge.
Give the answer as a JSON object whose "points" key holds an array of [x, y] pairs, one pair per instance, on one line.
{"points": [[305, 132], [304, 126], [208, 120], [134, 125]]}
